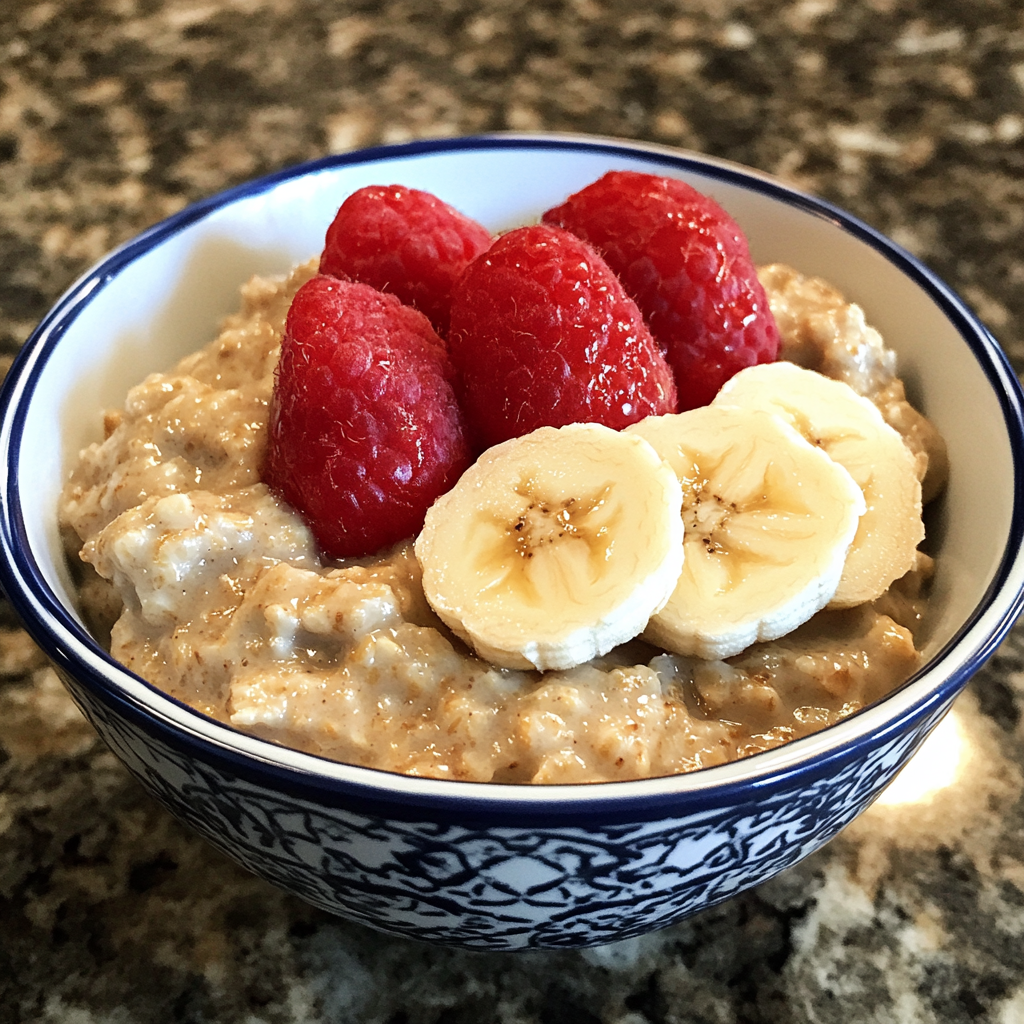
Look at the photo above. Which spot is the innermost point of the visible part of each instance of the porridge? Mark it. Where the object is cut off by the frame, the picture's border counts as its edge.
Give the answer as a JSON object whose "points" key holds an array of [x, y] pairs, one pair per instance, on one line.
{"points": [[213, 589]]}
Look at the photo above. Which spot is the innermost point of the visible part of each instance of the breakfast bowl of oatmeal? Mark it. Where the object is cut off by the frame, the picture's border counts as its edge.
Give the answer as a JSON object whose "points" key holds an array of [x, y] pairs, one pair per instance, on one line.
{"points": [[513, 542]]}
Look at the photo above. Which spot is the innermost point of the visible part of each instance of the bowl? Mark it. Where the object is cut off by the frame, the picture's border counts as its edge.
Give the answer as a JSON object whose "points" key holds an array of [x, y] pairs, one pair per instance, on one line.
{"points": [[489, 866]]}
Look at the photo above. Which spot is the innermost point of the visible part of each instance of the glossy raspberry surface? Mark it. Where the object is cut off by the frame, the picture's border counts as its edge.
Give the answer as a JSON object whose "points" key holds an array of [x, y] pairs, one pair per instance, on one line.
{"points": [[364, 429], [404, 241], [543, 334], [688, 265]]}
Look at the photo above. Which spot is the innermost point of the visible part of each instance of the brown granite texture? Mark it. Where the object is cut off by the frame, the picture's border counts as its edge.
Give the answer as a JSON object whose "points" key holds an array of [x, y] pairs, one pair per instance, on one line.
{"points": [[115, 113]]}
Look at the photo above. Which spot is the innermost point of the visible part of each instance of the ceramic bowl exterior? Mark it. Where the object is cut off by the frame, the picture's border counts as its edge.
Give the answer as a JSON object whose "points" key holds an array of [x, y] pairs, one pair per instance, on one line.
{"points": [[503, 867]]}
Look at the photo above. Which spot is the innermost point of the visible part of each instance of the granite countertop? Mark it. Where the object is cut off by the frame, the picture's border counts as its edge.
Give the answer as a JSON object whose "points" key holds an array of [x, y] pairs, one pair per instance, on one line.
{"points": [[116, 113]]}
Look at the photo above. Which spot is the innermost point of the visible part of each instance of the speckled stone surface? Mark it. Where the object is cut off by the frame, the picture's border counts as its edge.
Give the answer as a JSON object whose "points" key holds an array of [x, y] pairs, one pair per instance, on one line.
{"points": [[115, 113]]}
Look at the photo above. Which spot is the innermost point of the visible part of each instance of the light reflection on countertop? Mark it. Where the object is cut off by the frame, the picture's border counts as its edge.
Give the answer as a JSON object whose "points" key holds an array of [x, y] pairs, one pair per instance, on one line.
{"points": [[937, 764]]}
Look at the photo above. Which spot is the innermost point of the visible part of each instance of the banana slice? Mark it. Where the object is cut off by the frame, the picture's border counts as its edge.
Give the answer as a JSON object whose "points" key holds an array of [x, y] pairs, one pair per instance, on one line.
{"points": [[768, 518], [555, 547], [851, 430]]}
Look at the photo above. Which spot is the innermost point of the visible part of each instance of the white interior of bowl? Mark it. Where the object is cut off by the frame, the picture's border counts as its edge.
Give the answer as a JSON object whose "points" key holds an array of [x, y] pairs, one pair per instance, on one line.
{"points": [[167, 301]]}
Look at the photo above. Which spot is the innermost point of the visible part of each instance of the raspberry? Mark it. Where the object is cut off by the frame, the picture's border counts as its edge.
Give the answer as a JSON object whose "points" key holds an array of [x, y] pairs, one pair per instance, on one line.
{"points": [[687, 264], [543, 334], [404, 241], [364, 429]]}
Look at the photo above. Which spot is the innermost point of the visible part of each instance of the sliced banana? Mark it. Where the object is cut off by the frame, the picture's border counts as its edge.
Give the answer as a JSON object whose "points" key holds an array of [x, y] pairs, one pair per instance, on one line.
{"points": [[555, 547], [768, 518], [851, 430]]}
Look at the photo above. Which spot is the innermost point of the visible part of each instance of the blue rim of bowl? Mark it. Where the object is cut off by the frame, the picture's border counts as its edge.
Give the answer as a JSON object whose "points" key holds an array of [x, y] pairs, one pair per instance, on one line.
{"points": [[816, 756]]}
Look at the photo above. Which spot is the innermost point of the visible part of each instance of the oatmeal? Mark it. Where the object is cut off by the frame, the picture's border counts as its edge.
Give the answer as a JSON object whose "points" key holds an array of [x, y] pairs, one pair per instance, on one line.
{"points": [[218, 596]]}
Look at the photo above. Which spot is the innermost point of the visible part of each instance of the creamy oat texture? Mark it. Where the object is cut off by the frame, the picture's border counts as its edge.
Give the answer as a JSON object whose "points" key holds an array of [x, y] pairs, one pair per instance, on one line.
{"points": [[212, 589]]}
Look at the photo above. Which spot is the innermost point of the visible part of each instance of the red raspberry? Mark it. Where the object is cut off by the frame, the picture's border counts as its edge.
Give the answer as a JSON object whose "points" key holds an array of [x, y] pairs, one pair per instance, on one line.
{"points": [[404, 241], [364, 429], [543, 334], [687, 264]]}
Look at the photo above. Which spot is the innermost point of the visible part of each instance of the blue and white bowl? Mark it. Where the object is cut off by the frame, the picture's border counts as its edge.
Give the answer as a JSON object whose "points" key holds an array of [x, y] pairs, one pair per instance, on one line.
{"points": [[503, 867]]}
